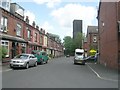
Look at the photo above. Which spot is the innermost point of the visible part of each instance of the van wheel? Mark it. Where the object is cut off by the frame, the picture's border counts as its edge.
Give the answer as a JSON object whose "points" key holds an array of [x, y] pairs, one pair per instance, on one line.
{"points": [[41, 62]]}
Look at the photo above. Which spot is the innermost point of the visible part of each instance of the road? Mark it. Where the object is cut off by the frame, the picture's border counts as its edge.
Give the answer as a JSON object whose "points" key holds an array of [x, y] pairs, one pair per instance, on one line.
{"points": [[58, 73]]}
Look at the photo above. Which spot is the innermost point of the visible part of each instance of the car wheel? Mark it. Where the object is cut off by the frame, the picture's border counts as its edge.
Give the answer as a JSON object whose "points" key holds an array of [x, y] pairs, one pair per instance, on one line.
{"points": [[35, 64], [41, 62], [74, 63], [11, 66], [27, 66], [47, 61]]}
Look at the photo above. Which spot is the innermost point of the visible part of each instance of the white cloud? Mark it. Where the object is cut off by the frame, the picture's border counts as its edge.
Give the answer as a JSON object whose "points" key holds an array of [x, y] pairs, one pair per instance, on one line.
{"points": [[49, 3], [47, 27], [65, 15], [31, 16]]}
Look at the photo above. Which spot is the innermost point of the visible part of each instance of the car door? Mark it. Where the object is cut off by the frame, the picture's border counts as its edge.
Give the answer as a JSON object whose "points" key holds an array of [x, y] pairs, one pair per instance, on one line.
{"points": [[30, 60], [33, 59]]}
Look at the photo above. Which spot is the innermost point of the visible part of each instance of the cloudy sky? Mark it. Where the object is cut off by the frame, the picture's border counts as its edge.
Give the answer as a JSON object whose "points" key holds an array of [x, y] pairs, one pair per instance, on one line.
{"points": [[56, 16]]}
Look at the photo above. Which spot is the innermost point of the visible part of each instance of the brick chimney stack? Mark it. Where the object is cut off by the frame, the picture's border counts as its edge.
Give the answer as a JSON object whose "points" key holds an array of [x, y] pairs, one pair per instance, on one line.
{"points": [[27, 19]]}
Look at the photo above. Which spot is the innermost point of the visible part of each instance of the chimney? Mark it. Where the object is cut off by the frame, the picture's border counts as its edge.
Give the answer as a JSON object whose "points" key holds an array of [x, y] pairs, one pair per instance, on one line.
{"points": [[37, 27], [33, 24], [44, 31], [27, 19], [41, 30]]}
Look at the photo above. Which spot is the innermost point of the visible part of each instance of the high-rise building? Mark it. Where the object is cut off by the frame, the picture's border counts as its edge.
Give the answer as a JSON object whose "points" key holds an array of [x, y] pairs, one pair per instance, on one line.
{"points": [[77, 27]]}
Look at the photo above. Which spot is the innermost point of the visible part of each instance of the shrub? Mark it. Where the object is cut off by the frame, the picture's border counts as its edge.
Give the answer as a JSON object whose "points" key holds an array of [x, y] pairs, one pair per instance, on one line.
{"points": [[3, 52]]}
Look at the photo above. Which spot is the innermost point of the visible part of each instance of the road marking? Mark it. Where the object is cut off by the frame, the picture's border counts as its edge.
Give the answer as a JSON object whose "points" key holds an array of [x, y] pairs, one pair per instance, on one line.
{"points": [[100, 76]]}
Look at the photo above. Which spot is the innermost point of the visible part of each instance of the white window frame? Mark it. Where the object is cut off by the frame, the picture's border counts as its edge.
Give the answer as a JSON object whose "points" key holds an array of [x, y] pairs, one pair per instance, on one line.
{"points": [[94, 39], [18, 29], [3, 44], [6, 5], [4, 24], [28, 34]]}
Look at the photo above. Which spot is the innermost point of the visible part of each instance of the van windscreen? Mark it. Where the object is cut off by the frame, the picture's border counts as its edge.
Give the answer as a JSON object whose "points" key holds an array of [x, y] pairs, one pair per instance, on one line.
{"points": [[79, 53]]}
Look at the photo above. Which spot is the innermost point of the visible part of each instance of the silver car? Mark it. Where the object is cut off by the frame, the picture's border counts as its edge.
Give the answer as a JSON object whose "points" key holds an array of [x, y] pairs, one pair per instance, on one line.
{"points": [[23, 60]]}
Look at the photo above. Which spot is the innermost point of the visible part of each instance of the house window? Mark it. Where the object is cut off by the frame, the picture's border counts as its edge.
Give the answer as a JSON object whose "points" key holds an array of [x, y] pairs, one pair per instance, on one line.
{"points": [[35, 37], [41, 40], [5, 44], [19, 10], [4, 24], [94, 39], [18, 30], [29, 34], [23, 47], [5, 4]]}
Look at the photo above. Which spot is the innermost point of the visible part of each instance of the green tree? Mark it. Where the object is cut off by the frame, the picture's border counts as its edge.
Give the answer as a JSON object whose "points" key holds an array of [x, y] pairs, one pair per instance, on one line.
{"points": [[3, 52], [71, 44], [68, 42]]}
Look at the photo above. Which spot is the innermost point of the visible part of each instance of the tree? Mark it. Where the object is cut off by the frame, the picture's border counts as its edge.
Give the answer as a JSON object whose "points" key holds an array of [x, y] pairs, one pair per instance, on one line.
{"points": [[68, 42], [3, 52], [71, 44]]}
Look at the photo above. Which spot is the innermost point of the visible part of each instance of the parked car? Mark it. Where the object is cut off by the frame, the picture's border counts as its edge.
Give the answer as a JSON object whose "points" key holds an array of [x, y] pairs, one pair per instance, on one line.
{"points": [[23, 60], [42, 56], [68, 55]]}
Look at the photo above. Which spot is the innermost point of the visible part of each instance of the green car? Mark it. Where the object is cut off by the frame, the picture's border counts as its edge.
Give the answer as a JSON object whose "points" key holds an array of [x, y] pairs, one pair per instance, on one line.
{"points": [[42, 56]]}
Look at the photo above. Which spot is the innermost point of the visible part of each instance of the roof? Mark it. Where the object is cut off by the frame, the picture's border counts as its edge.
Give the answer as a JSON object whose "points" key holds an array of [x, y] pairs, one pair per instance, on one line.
{"points": [[79, 50], [12, 38], [92, 29]]}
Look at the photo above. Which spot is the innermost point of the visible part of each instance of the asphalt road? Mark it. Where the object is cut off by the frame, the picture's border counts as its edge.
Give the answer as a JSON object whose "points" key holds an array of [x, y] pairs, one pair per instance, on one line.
{"points": [[58, 73]]}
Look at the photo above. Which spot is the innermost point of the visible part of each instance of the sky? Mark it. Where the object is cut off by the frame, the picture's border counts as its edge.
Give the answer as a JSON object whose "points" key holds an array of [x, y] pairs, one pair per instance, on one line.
{"points": [[56, 16]]}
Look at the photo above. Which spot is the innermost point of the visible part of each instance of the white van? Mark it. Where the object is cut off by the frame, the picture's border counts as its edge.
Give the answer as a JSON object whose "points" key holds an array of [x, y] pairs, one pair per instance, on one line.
{"points": [[79, 56]]}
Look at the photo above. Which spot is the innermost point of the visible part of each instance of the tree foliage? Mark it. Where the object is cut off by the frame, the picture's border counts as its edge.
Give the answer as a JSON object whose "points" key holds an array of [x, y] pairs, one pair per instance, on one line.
{"points": [[68, 41], [3, 52], [71, 44]]}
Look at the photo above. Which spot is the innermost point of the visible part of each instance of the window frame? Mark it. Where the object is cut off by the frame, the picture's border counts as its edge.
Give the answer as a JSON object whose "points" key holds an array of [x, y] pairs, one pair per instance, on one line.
{"points": [[18, 29], [4, 45], [4, 24], [36, 37], [29, 34], [5, 4]]}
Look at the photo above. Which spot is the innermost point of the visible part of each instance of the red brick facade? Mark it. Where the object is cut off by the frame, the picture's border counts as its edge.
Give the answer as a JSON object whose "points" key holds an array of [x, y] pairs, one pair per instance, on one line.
{"points": [[108, 17], [19, 42]]}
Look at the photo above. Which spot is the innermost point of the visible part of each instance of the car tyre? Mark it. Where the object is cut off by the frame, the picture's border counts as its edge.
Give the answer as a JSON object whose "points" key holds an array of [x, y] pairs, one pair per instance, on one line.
{"points": [[27, 66], [35, 64], [41, 62], [11, 66]]}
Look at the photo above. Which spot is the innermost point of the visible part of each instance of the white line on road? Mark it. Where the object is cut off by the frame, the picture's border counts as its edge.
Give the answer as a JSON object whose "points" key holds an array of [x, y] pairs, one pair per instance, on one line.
{"points": [[100, 76]]}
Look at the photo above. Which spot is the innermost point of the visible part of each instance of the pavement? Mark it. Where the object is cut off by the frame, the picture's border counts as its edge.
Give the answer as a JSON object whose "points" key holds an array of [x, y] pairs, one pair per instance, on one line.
{"points": [[101, 71], [104, 72], [4, 67]]}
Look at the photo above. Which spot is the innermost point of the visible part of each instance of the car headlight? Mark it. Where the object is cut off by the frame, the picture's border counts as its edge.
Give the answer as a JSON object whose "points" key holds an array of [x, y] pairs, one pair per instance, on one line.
{"points": [[21, 61]]}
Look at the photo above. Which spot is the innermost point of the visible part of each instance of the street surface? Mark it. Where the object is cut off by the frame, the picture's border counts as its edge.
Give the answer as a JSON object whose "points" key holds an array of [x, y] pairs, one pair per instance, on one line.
{"points": [[58, 73]]}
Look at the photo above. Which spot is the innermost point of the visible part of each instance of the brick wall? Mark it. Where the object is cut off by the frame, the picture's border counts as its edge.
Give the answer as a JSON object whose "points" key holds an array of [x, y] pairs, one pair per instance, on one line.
{"points": [[108, 34]]}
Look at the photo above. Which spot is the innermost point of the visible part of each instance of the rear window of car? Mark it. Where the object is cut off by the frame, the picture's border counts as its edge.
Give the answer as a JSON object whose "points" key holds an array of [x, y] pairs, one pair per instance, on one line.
{"points": [[79, 53]]}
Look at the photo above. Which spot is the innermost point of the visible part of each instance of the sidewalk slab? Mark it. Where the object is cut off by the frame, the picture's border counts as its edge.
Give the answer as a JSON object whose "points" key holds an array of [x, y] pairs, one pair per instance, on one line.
{"points": [[104, 72], [4, 66]]}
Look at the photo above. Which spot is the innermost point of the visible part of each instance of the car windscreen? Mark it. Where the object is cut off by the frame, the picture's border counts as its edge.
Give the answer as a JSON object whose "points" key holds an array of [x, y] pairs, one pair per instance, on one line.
{"points": [[22, 56], [79, 53]]}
